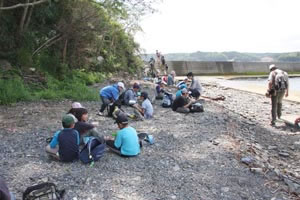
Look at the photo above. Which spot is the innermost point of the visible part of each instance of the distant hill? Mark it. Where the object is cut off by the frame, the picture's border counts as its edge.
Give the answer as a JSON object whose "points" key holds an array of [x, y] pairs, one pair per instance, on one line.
{"points": [[230, 56]]}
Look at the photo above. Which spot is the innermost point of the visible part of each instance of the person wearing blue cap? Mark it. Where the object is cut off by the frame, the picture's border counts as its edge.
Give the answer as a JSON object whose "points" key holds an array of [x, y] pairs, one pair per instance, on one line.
{"points": [[126, 142]]}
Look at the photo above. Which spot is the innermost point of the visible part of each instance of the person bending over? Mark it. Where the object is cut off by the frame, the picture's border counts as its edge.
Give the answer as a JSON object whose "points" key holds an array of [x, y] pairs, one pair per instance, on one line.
{"points": [[126, 142], [110, 94]]}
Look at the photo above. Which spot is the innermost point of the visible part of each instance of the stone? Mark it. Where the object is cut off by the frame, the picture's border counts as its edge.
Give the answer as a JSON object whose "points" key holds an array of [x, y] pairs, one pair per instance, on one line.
{"points": [[297, 145], [284, 154], [272, 147], [225, 189], [247, 160], [293, 186]]}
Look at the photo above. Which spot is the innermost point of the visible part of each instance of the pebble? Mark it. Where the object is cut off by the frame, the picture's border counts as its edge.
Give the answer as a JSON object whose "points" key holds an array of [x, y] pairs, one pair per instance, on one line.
{"points": [[247, 160], [272, 147], [284, 154]]}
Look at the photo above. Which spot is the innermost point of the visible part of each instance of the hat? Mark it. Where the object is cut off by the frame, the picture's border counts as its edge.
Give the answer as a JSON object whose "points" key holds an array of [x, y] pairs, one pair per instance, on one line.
{"points": [[144, 94], [136, 85], [68, 120], [184, 90], [76, 105], [121, 119], [272, 67], [120, 84]]}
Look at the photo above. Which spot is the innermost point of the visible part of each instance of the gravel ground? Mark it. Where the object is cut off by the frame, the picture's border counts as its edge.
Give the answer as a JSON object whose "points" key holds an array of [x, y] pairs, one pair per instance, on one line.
{"points": [[196, 156]]}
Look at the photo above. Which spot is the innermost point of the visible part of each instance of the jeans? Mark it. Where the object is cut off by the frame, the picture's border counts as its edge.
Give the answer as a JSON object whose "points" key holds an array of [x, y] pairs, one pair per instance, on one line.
{"points": [[105, 102], [277, 104]]}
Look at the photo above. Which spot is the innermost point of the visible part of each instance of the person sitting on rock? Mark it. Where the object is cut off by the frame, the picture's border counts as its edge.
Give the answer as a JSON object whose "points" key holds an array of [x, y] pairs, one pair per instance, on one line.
{"points": [[64, 146], [160, 90], [84, 128], [195, 86], [130, 96], [126, 142], [183, 103], [146, 110], [171, 78], [110, 94]]}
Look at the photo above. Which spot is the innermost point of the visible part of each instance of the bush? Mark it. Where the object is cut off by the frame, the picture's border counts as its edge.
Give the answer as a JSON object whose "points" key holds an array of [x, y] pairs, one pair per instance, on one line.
{"points": [[12, 91], [69, 88]]}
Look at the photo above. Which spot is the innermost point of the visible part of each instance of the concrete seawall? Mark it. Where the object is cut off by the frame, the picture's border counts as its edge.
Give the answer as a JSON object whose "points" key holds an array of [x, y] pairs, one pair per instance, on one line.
{"points": [[199, 68]]}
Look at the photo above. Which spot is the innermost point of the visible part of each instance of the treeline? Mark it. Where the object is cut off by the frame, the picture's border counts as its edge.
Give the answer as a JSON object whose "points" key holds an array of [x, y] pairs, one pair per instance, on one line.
{"points": [[232, 56], [74, 40]]}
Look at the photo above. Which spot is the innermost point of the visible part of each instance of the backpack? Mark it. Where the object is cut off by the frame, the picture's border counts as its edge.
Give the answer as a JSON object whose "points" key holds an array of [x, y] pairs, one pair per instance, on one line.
{"points": [[167, 100], [196, 107], [281, 80], [93, 150], [43, 191]]}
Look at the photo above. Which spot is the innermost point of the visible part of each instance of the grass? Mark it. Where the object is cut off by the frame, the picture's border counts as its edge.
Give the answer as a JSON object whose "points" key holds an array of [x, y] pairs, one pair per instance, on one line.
{"points": [[73, 87]]}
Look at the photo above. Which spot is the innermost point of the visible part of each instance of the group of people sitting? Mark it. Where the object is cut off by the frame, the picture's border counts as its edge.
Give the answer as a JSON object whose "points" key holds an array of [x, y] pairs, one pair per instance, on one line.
{"points": [[187, 95], [65, 144]]}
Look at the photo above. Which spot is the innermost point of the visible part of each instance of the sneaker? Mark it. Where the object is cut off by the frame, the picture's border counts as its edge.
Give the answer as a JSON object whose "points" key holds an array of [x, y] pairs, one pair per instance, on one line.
{"points": [[100, 113], [272, 123]]}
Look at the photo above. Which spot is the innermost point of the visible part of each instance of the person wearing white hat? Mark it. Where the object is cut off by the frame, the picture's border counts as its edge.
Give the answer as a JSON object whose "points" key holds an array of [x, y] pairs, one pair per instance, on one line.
{"points": [[278, 86], [110, 94]]}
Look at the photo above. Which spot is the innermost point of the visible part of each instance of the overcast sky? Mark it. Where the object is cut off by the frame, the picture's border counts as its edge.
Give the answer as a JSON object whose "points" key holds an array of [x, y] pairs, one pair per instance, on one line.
{"points": [[184, 26]]}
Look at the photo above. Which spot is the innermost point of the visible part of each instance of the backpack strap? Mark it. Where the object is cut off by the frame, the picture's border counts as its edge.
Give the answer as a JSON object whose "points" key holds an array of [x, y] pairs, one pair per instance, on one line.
{"points": [[59, 193]]}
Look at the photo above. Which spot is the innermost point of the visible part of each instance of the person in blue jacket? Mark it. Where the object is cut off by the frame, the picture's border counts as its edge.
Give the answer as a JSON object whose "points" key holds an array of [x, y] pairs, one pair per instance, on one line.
{"points": [[110, 94], [126, 142]]}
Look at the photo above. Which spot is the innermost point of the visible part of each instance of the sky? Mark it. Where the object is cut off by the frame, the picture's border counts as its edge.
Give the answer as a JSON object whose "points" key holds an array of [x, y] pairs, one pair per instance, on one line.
{"points": [[185, 26]]}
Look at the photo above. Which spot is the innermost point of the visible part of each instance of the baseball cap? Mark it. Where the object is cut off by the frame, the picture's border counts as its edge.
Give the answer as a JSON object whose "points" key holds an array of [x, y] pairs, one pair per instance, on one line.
{"points": [[144, 94], [271, 67], [68, 120], [120, 84], [76, 105], [121, 119], [136, 85], [184, 91]]}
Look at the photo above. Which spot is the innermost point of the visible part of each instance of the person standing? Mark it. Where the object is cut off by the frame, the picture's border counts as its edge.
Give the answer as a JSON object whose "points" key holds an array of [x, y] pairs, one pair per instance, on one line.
{"points": [[278, 86]]}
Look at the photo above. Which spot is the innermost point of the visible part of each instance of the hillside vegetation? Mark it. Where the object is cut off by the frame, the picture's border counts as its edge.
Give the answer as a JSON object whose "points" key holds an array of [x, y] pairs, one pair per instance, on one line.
{"points": [[53, 48]]}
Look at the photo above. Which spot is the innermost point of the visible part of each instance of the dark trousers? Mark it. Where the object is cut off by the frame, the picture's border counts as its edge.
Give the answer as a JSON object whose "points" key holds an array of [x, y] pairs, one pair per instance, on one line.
{"points": [[105, 102], [111, 145], [195, 93], [277, 104]]}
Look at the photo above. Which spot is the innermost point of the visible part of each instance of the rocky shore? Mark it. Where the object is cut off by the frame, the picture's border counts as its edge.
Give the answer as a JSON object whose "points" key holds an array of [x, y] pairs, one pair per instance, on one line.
{"points": [[227, 152]]}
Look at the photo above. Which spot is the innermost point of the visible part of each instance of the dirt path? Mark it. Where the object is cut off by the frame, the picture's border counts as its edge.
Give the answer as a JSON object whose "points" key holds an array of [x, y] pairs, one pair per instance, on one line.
{"points": [[196, 156]]}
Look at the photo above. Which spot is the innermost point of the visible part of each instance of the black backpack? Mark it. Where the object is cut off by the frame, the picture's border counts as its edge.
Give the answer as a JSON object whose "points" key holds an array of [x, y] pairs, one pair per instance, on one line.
{"points": [[196, 107], [43, 191], [93, 150]]}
